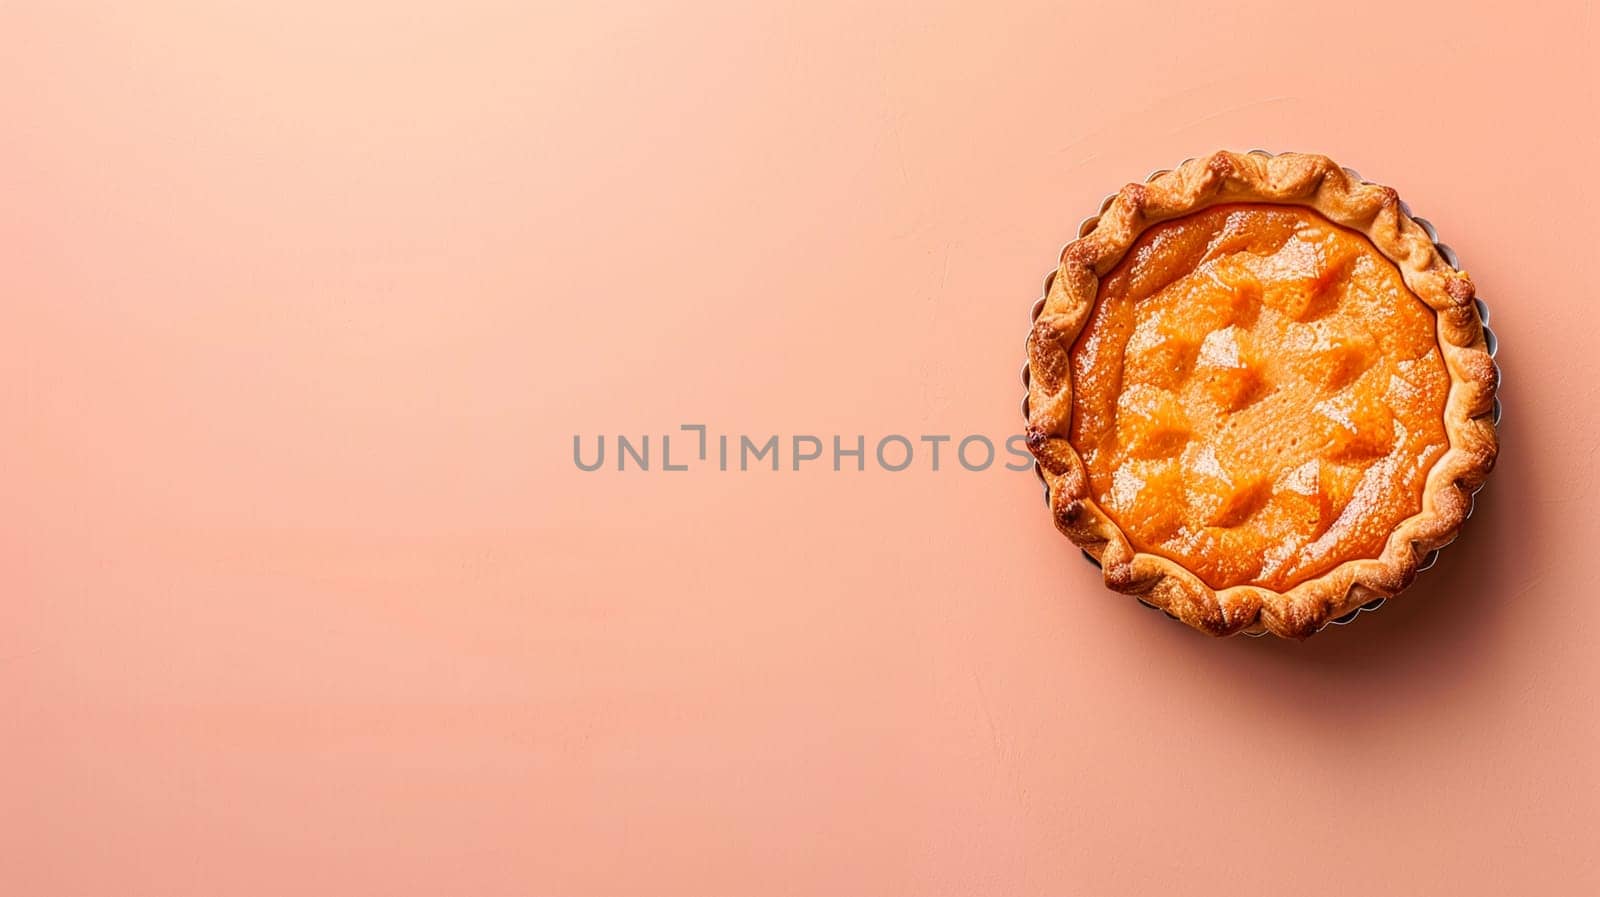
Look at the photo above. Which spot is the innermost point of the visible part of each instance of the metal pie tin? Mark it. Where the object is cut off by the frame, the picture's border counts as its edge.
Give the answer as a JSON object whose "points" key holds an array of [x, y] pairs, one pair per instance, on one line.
{"points": [[1445, 252]]}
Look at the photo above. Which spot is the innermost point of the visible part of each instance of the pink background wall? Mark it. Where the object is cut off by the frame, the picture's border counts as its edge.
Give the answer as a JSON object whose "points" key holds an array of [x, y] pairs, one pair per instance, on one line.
{"points": [[301, 305]]}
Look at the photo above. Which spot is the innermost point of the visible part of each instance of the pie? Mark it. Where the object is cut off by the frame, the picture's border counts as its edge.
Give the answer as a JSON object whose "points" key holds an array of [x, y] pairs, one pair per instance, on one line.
{"points": [[1258, 393]]}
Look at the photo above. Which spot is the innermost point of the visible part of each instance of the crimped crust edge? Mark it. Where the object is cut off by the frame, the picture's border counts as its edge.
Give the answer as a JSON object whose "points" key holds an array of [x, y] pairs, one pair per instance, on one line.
{"points": [[1318, 183]]}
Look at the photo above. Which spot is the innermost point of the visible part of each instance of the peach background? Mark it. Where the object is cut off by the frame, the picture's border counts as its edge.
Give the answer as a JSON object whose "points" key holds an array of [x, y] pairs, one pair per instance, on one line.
{"points": [[301, 305]]}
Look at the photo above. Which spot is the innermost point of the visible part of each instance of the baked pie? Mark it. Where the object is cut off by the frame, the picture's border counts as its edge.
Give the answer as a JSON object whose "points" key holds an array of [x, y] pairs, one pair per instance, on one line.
{"points": [[1258, 395]]}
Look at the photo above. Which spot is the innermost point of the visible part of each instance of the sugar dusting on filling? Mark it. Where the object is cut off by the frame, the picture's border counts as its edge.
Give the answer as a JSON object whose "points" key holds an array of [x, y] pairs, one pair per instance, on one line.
{"points": [[1257, 395]]}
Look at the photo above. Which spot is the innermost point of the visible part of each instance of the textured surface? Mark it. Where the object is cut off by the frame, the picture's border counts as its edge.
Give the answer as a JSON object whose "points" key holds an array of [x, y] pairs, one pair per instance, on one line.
{"points": [[1257, 395], [302, 301], [1317, 183]]}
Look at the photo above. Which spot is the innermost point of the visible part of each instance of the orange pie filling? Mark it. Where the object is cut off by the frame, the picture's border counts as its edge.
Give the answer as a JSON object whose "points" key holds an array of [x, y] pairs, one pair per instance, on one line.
{"points": [[1257, 395]]}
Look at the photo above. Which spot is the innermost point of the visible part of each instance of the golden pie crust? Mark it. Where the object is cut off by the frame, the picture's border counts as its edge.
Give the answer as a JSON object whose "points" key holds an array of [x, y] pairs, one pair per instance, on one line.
{"points": [[1258, 395]]}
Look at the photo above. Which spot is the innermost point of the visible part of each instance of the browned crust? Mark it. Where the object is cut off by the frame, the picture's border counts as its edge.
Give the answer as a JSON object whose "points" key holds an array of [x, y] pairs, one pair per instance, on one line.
{"points": [[1316, 182]]}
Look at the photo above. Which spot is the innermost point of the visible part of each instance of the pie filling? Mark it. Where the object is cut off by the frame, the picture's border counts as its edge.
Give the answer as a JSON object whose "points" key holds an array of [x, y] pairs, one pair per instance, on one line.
{"points": [[1257, 395]]}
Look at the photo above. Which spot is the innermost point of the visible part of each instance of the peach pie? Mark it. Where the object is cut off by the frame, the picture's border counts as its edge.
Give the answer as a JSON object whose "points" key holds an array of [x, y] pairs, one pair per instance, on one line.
{"points": [[1258, 394]]}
